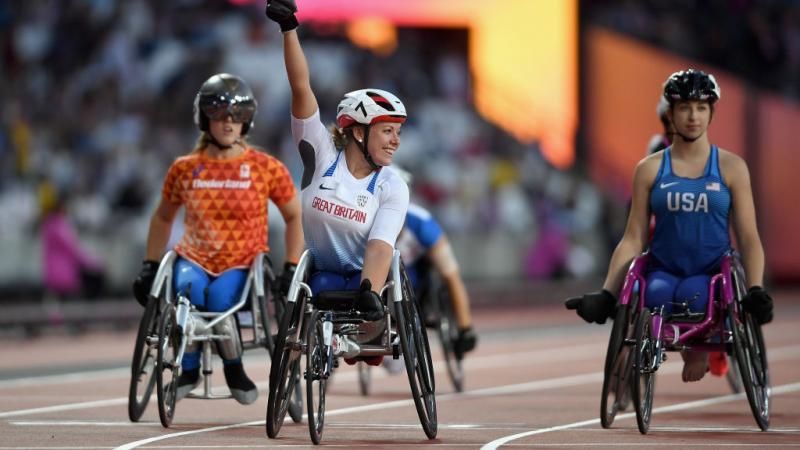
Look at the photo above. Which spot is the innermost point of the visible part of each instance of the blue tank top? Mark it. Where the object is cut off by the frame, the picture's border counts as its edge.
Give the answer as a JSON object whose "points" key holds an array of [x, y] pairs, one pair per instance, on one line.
{"points": [[692, 215]]}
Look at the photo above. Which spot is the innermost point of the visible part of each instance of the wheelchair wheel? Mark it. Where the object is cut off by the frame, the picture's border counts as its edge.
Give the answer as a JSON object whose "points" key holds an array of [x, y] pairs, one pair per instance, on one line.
{"points": [[417, 356], [618, 367], [317, 370], [285, 370], [644, 376], [144, 362], [448, 334], [167, 369], [751, 357], [364, 377]]}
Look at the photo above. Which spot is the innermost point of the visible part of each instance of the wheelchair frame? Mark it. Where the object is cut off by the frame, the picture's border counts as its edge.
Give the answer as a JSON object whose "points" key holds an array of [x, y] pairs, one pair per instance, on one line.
{"points": [[313, 328], [640, 339], [170, 324]]}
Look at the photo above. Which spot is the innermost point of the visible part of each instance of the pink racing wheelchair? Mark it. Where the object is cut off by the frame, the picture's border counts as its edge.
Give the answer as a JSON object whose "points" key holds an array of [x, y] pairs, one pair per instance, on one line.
{"points": [[640, 339]]}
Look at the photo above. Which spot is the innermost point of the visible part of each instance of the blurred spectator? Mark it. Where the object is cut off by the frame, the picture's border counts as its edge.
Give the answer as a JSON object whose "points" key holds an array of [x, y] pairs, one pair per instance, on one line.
{"points": [[69, 269]]}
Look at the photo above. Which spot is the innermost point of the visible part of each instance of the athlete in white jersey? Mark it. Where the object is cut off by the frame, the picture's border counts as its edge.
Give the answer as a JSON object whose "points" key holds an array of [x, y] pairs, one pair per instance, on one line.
{"points": [[353, 206]]}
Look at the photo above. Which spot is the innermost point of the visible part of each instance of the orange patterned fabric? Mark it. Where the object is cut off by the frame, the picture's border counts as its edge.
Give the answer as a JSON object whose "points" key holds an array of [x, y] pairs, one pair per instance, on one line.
{"points": [[225, 203]]}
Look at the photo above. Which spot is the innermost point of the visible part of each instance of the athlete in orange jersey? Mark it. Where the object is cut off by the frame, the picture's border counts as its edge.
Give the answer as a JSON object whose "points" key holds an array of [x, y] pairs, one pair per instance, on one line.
{"points": [[224, 185]]}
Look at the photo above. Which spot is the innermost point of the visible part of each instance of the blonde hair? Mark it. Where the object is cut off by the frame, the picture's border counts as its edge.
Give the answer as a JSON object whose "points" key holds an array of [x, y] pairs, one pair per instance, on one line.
{"points": [[341, 136]]}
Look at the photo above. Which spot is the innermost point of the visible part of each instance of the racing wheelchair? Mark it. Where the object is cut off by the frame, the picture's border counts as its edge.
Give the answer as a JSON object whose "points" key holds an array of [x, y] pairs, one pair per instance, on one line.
{"points": [[640, 339], [170, 325], [323, 327]]}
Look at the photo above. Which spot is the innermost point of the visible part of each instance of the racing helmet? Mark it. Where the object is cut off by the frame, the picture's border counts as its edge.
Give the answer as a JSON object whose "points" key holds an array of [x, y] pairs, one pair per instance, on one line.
{"points": [[691, 84], [368, 106], [221, 95]]}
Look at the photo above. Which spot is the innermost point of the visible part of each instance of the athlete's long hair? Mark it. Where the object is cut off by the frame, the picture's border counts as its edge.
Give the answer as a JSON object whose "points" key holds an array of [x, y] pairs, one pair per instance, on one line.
{"points": [[205, 138]]}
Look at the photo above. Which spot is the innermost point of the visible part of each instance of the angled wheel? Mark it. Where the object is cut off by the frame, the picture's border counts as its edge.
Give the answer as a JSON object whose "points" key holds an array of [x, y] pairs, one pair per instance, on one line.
{"points": [[644, 366], [318, 368], [167, 368], [417, 356], [618, 366], [751, 357], [285, 370], [143, 365], [448, 334]]}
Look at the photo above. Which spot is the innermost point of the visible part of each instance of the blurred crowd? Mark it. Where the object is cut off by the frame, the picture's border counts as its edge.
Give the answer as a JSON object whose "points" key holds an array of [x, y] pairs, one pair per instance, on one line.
{"points": [[758, 40], [97, 102]]}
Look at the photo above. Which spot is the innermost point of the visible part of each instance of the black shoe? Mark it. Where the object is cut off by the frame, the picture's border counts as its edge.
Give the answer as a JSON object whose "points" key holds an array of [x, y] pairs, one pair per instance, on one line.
{"points": [[242, 389], [465, 342], [188, 380]]}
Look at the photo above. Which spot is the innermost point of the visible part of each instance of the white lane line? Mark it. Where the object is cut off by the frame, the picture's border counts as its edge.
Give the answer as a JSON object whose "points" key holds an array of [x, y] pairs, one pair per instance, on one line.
{"points": [[491, 361], [44, 380], [783, 352], [66, 407], [493, 445], [80, 423]]}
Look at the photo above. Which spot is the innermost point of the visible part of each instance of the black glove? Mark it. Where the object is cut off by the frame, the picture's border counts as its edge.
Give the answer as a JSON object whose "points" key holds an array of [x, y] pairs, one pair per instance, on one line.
{"points": [[594, 306], [282, 12], [144, 281], [369, 302], [759, 304], [284, 280]]}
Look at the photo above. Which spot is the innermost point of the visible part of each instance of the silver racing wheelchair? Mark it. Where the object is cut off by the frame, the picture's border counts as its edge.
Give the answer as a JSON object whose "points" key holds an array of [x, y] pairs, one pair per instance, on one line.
{"points": [[323, 327], [170, 325]]}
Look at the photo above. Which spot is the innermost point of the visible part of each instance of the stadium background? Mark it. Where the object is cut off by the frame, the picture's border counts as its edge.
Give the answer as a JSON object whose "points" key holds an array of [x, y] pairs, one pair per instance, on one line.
{"points": [[527, 118]]}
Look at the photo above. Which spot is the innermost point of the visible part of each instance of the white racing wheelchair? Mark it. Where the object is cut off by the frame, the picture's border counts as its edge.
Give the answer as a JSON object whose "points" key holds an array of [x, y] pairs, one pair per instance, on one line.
{"points": [[321, 328], [170, 325]]}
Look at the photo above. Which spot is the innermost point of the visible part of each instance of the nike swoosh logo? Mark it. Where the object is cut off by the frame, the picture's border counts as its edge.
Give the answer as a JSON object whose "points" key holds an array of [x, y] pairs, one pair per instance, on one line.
{"points": [[325, 188], [666, 185]]}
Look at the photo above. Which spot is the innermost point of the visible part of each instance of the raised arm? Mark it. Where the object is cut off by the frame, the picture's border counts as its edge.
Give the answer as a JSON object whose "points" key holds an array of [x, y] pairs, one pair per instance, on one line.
{"points": [[304, 103]]}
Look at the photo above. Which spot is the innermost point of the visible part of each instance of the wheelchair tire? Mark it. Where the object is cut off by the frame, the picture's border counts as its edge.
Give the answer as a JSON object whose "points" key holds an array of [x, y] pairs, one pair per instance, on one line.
{"points": [[364, 377], [751, 357], [167, 369], [644, 367], [616, 391], [284, 372], [447, 327], [417, 357], [734, 375], [317, 361], [144, 362]]}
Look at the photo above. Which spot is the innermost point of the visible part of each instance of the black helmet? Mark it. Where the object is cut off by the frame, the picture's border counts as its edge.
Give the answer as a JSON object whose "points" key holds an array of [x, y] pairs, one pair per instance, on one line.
{"points": [[222, 95], [691, 84]]}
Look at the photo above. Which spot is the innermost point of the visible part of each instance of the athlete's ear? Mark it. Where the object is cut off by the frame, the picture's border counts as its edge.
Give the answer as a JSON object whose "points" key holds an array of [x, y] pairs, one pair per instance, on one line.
{"points": [[358, 133]]}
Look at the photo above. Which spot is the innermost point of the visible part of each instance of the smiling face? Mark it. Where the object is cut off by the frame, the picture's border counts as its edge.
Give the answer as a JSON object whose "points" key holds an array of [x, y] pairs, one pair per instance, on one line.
{"points": [[226, 131], [691, 118], [384, 140]]}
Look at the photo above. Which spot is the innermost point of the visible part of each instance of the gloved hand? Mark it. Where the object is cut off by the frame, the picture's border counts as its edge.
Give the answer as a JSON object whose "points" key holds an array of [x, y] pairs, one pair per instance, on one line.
{"points": [[369, 302], [759, 304], [282, 12], [594, 306], [284, 280], [144, 281]]}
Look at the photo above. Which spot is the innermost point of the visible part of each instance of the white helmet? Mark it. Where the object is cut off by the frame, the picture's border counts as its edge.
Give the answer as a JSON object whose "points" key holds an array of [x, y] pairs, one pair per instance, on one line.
{"points": [[367, 106], [662, 107]]}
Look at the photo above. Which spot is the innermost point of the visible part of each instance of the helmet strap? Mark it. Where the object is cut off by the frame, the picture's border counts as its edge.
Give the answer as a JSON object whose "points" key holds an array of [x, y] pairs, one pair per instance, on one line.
{"points": [[364, 145]]}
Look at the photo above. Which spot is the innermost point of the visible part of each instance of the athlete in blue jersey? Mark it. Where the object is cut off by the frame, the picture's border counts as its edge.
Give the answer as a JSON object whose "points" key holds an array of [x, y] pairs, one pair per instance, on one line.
{"points": [[424, 247], [694, 190]]}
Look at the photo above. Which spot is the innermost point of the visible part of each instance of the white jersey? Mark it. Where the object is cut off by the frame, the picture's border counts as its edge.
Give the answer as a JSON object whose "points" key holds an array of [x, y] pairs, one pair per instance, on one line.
{"points": [[340, 212]]}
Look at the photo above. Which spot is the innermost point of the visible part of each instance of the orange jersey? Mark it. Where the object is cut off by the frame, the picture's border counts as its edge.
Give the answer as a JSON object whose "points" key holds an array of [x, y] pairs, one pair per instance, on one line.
{"points": [[226, 205]]}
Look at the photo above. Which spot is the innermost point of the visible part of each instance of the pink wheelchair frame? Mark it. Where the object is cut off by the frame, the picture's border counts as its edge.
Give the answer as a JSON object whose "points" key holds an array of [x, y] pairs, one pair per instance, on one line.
{"points": [[640, 339]]}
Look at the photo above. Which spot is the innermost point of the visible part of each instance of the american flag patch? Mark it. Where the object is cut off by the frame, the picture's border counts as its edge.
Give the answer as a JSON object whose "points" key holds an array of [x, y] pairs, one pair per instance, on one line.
{"points": [[712, 186]]}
